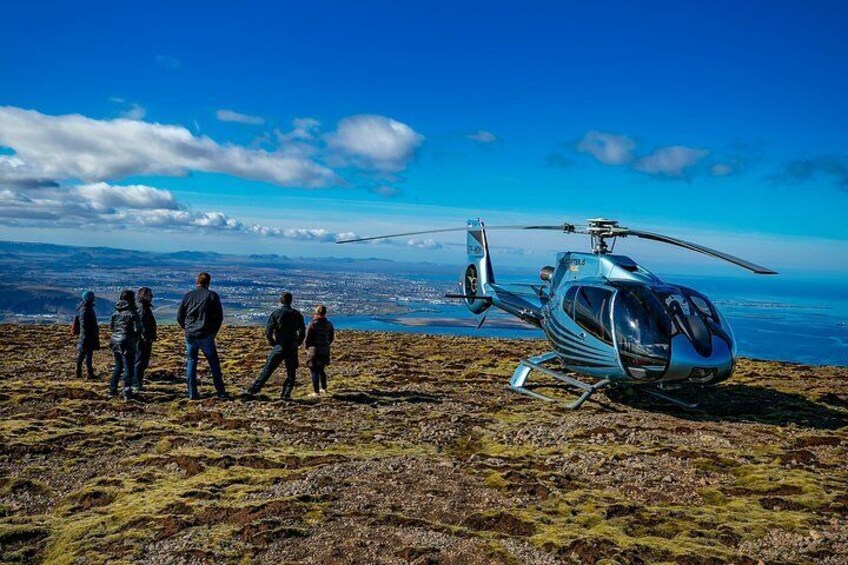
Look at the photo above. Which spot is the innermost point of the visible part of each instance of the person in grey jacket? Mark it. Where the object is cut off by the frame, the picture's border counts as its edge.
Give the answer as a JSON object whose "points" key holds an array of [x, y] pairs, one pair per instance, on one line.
{"points": [[285, 332], [126, 328], [201, 316], [89, 335], [147, 337]]}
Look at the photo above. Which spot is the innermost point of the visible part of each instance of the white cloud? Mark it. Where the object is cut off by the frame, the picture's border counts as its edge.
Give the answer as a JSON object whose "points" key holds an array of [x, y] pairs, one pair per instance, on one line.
{"points": [[721, 170], [105, 196], [427, 243], [375, 142], [167, 62], [231, 116], [385, 191], [608, 148], [134, 112], [74, 146], [303, 129], [482, 136], [670, 161]]}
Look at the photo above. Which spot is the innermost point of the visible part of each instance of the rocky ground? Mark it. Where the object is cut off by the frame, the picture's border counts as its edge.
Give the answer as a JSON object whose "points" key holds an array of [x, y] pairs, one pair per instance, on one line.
{"points": [[419, 455]]}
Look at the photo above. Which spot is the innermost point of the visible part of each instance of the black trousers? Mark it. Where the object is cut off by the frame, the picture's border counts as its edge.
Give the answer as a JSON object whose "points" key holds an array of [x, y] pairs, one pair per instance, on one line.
{"points": [[84, 354], [145, 348], [319, 377], [276, 357]]}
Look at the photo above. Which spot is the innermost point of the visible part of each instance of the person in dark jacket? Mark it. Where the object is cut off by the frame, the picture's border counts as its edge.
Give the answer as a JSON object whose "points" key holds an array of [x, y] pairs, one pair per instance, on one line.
{"points": [[285, 332], [126, 328], [147, 337], [319, 336], [89, 335], [201, 316]]}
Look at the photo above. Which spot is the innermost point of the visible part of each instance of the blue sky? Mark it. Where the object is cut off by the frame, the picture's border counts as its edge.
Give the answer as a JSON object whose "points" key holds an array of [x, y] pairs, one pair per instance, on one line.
{"points": [[291, 123]]}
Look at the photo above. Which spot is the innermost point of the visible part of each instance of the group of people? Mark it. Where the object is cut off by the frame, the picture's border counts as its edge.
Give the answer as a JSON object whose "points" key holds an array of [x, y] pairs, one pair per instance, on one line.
{"points": [[200, 315]]}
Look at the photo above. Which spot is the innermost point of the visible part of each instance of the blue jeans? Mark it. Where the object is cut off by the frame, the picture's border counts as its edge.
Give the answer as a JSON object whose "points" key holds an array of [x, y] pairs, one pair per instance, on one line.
{"points": [[124, 365], [193, 348]]}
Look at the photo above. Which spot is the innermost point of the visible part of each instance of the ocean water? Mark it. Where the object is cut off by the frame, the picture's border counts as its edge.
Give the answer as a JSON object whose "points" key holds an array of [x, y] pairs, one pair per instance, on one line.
{"points": [[777, 318]]}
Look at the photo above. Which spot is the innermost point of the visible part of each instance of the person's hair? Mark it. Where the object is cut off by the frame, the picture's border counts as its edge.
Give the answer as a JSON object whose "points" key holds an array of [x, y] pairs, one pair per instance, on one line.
{"points": [[286, 298], [321, 310], [203, 279], [129, 296], [144, 293]]}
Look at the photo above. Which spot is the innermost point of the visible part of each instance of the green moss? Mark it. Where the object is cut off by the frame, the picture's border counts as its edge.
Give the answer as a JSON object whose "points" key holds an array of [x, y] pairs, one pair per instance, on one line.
{"points": [[495, 480]]}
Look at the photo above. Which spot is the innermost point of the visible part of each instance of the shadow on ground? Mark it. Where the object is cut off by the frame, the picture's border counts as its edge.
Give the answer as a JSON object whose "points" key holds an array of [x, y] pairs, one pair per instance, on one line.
{"points": [[743, 403]]}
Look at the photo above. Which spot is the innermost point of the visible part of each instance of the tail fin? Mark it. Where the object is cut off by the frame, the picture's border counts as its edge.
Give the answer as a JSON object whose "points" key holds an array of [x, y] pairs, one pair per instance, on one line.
{"points": [[478, 271]]}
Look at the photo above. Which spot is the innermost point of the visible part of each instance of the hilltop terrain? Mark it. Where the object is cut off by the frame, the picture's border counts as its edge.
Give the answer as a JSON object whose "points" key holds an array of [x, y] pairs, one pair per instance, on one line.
{"points": [[420, 455]]}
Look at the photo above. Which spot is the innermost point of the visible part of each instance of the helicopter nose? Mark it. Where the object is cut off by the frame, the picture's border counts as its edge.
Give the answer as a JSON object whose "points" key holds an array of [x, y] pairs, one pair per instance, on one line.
{"points": [[698, 364]]}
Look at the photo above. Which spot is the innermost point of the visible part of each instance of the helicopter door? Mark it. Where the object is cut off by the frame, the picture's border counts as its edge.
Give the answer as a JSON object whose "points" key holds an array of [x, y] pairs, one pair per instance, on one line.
{"points": [[592, 311]]}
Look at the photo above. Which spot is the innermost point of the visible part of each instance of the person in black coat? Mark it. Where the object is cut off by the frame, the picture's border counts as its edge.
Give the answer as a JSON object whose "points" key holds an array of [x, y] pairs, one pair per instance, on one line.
{"points": [[285, 332], [89, 335], [148, 335], [126, 328], [201, 316], [319, 336]]}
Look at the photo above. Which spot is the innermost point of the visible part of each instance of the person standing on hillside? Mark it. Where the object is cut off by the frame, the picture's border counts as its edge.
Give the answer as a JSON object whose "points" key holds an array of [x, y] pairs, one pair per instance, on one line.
{"points": [[89, 334], [147, 337], [126, 328], [319, 336], [285, 333], [201, 316]]}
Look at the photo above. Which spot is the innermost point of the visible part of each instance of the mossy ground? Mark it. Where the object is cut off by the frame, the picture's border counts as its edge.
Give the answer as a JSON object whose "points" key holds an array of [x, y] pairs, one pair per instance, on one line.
{"points": [[420, 455]]}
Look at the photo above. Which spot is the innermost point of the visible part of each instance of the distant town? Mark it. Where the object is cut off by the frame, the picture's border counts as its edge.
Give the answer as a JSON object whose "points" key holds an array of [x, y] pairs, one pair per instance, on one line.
{"points": [[41, 283]]}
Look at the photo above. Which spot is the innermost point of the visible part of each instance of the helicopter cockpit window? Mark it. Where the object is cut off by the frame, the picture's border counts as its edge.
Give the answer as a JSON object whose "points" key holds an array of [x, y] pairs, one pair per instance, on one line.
{"points": [[568, 301], [592, 311], [642, 331], [704, 306]]}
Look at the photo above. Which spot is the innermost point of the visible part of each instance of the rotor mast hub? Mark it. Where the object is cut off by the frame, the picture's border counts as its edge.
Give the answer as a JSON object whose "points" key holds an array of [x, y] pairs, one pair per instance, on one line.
{"points": [[601, 229]]}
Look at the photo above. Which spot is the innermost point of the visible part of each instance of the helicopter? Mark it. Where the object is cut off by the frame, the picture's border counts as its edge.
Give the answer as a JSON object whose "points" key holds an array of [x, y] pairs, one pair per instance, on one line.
{"points": [[609, 320]]}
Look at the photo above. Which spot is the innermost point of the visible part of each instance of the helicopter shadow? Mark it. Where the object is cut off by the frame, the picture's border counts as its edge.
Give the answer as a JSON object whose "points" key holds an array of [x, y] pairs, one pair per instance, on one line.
{"points": [[747, 404]]}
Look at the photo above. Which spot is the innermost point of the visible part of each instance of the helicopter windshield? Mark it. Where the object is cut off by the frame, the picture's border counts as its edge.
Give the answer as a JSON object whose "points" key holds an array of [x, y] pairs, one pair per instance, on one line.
{"points": [[642, 331], [693, 314]]}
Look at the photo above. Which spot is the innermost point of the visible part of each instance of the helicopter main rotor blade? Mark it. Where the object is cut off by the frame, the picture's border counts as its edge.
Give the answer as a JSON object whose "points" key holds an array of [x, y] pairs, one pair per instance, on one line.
{"points": [[700, 249], [565, 228]]}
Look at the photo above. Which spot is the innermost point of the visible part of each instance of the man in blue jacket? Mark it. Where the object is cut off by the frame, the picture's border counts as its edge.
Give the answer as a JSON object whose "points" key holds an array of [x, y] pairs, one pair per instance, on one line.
{"points": [[201, 315]]}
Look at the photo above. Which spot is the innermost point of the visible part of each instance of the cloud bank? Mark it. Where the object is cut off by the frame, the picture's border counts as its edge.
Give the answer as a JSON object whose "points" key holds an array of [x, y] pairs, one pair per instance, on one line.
{"points": [[674, 161]]}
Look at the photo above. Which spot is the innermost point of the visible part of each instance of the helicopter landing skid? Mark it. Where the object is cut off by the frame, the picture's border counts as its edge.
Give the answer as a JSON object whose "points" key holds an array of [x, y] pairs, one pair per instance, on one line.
{"points": [[518, 382], [668, 398]]}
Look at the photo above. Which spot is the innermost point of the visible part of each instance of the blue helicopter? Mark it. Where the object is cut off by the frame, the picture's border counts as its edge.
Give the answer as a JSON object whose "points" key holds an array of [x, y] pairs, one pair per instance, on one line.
{"points": [[607, 318]]}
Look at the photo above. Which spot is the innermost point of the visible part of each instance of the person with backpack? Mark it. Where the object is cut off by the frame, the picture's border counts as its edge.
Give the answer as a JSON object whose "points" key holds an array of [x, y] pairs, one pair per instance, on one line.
{"points": [[88, 332], [319, 336], [285, 333], [201, 316], [148, 335], [126, 328]]}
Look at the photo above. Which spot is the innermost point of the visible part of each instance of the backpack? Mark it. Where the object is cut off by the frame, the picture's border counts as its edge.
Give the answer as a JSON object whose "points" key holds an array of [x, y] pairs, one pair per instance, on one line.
{"points": [[75, 326]]}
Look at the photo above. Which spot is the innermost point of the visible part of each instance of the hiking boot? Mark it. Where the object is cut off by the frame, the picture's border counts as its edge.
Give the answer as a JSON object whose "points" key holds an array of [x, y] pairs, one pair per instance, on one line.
{"points": [[113, 394], [223, 396]]}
